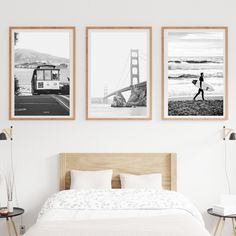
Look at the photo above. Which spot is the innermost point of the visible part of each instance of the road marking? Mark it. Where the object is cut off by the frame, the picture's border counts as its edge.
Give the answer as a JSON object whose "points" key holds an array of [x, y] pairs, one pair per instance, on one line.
{"points": [[21, 109], [33, 103], [61, 102], [63, 96]]}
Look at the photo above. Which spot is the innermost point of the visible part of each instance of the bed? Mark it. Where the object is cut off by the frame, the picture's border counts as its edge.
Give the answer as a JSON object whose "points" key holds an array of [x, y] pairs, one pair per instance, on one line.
{"points": [[116, 211]]}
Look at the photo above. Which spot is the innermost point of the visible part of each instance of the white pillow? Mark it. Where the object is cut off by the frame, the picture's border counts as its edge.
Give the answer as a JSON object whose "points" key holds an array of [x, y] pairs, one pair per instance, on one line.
{"points": [[91, 179], [149, 181]]}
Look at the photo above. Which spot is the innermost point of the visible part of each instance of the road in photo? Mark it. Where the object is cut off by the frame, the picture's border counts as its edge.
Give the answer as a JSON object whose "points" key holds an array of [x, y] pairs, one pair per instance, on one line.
{"points": [[27, 104], [42, 105]]}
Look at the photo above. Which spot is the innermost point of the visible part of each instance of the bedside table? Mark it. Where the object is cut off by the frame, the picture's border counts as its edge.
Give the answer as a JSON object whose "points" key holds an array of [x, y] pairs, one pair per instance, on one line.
{"points": [[16, 212], [222, 219]]}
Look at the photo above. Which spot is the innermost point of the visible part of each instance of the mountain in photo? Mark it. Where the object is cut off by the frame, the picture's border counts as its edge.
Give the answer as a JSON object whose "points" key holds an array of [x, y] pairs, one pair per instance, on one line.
{"points": [[25, 58]]}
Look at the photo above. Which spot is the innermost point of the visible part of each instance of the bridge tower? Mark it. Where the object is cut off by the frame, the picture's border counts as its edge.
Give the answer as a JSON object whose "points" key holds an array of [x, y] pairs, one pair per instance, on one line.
{"points": [[105, 99], [134, 66]]}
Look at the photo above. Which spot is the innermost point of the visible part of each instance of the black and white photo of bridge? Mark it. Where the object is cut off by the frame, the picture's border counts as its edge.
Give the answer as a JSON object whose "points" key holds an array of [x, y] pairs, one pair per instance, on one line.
{"points": [[125, 92]]}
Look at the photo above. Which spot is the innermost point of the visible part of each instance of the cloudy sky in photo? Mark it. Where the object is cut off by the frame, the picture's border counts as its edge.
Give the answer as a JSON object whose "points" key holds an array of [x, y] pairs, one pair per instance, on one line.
{"points": [[109, 58], [56, 43], [195, 43]]}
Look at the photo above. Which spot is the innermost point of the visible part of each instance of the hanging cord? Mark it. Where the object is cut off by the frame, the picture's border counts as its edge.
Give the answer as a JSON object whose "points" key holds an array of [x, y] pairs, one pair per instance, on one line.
{"points": [[226, 169], [13, 174]]}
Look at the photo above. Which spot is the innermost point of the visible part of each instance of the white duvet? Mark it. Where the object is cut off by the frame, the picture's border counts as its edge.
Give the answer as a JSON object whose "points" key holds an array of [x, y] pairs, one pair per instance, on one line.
{"points": [[120, 212]]}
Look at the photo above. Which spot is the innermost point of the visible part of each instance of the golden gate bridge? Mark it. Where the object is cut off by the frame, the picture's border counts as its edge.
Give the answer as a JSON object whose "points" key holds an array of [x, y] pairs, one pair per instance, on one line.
{"points": [[138, 89]]}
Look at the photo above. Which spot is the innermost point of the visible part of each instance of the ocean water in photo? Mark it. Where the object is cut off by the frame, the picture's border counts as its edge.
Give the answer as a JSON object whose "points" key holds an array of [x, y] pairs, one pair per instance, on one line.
{"points": [[105, 110], [182, 70]]}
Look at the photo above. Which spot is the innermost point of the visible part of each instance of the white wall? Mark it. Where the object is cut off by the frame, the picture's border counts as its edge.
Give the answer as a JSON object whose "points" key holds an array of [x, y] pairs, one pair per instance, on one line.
{"points": [[198, 143]]}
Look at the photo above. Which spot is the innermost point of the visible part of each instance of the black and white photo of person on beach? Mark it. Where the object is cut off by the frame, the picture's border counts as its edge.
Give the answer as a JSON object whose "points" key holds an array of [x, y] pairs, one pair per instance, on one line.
{"points": [[200, 90], [195, 75]]}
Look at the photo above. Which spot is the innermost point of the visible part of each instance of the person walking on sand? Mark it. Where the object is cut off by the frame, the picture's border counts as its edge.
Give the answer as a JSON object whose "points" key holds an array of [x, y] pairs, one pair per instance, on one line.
{"points": [[200, 90]]}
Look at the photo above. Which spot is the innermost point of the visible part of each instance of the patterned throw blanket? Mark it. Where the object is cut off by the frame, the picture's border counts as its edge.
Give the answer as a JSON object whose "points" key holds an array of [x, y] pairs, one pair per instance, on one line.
{"points": [[120, 199]]}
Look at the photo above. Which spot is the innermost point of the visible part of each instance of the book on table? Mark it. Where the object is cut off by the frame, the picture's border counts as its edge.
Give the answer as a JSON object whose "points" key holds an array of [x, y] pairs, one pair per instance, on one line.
{"points": [[224, 210]]}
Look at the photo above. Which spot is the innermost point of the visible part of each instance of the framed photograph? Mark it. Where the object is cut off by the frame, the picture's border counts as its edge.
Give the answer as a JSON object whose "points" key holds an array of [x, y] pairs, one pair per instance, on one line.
{"points": [[195, 73], [119, 73], [42, 73]]}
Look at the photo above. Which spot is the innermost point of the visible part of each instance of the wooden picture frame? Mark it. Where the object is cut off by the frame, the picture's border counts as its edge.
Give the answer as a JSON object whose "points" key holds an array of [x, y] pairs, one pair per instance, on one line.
{"points": [[42, 72], [194, 56], [106, 50]]}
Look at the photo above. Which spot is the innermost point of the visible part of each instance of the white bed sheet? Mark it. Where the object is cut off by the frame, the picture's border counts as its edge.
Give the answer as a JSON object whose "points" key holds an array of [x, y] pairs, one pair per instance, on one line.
{"points": [[163, 225], [75, 215]]}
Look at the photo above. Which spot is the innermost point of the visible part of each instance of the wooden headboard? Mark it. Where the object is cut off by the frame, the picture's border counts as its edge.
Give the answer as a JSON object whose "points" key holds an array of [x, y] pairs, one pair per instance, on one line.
{"points": [[132, 163]]}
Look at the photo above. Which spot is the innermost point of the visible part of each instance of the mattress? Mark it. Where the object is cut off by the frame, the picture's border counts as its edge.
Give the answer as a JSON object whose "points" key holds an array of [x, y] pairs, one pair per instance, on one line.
{"points": [[121, 212]]}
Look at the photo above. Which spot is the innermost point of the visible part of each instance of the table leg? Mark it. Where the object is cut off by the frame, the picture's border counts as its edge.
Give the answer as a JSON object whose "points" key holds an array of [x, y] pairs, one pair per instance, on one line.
{"points": [[233, 227], [217, 226], [8, 227], [14, 227], [222, 227]]}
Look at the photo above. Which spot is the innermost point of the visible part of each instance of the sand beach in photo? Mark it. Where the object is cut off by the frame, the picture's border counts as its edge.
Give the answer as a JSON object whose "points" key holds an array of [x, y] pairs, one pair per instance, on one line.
{"points": [[186, 106]]}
